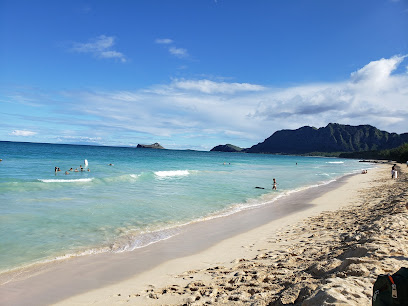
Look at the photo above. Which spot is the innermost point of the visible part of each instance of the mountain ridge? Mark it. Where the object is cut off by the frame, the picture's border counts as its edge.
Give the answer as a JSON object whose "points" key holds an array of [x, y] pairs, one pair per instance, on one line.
{"points": [[332, 138]]}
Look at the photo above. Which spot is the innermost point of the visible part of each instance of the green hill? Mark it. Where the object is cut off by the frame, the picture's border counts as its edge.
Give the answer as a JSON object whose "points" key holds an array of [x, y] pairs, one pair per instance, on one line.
{"points": [[332, 138], [227, 148], [399, 154]]}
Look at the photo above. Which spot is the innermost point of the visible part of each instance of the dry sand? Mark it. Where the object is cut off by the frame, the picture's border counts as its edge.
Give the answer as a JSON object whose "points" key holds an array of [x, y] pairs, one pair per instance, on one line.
{"points": [[328, 254]]}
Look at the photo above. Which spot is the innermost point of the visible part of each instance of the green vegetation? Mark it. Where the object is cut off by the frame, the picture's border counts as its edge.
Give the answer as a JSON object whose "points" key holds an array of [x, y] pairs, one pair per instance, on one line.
{"points": [[324, 154], [227, 148], [334, 140], [399, 154], [330, 139]]}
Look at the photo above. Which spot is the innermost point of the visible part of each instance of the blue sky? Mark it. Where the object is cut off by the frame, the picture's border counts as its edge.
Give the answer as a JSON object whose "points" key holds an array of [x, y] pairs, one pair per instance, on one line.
{"points": [[195, 74]]}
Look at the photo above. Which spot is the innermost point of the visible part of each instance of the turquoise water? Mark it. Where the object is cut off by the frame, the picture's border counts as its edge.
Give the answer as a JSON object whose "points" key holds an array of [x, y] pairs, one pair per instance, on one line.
{"points": [[138, 200]]}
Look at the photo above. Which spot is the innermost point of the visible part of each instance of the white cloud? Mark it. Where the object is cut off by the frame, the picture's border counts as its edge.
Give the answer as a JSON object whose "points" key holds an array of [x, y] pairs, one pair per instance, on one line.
{"points": [[173, 50], [213, 112], [179, 52], [373, 95], [377, 72], [211, 87], [164, 41], [112, 54], [78, 139], [23, 133], [252, 112], [100, 47]]}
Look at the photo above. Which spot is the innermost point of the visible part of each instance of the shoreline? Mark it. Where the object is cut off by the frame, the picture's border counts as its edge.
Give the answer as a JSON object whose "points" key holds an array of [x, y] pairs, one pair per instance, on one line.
{"points": [[78, 279], [126, 207], [168, 232]]}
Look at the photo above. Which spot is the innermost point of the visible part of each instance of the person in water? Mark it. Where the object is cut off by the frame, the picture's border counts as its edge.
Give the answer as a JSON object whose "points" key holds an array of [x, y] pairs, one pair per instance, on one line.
{"points": [[274, 184]]}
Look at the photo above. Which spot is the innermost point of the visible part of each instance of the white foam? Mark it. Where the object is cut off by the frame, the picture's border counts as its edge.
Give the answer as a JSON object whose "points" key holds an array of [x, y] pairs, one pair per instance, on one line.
{"points": [[150, 237], [83, 180], [144, 239], [335, 162], [172, 173], [322, 174]]}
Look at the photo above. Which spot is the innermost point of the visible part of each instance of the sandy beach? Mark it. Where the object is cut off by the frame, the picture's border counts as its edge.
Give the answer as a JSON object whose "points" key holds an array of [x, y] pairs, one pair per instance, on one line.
{"points": [[328, 250]]}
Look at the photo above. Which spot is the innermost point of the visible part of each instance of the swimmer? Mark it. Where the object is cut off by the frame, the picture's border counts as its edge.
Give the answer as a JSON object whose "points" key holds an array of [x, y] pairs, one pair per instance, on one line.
{"points": [[76, 170], [89, 170], [110, 165], [70, 169], [274, 184], [56, 169], [66, 172]]}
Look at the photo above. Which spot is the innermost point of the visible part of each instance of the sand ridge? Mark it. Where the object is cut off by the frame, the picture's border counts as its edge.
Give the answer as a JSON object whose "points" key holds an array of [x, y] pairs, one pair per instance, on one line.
{"points": [[329, 259]]}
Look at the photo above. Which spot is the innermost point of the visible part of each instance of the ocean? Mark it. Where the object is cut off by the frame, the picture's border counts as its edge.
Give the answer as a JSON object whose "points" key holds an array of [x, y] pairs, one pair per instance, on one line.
{"points": [[132, 197]]}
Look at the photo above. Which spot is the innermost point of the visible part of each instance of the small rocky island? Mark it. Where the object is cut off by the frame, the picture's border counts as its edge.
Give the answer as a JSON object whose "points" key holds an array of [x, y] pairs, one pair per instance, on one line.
{"points": [[227, 148], [156, 145]]}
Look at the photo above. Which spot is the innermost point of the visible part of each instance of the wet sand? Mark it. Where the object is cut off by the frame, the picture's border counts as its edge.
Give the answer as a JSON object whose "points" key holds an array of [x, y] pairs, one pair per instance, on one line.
{"points": [[260, 255]]}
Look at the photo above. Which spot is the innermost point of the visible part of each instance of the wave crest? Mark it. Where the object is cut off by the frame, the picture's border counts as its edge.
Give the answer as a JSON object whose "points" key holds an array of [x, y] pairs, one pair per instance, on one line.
{"points": [[82, 180], [171, 173]]}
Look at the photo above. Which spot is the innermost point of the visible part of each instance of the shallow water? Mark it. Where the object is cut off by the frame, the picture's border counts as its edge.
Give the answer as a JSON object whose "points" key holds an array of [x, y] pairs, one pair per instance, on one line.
{"points": [[138, 200]]}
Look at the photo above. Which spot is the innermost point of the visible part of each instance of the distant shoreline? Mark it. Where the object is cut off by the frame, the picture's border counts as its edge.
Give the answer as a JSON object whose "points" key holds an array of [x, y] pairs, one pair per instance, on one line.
{"points": [[313, 154]]}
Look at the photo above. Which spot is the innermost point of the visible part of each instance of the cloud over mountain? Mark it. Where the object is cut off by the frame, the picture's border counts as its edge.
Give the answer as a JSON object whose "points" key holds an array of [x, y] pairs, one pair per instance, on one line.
{"points": [[240, 112]]}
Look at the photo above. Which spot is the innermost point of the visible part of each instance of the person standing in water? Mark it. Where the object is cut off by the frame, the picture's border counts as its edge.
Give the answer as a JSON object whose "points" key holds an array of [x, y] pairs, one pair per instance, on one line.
{"points": [[274, 184]]}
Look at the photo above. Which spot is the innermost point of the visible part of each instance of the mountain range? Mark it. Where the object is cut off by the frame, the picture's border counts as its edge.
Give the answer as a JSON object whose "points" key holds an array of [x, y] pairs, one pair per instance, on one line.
{"points": [[334, 138]]}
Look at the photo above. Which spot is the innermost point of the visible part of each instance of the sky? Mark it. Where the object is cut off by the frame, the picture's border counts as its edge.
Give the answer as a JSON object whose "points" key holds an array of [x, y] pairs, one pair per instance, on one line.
{"points": [[193, 74]]}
